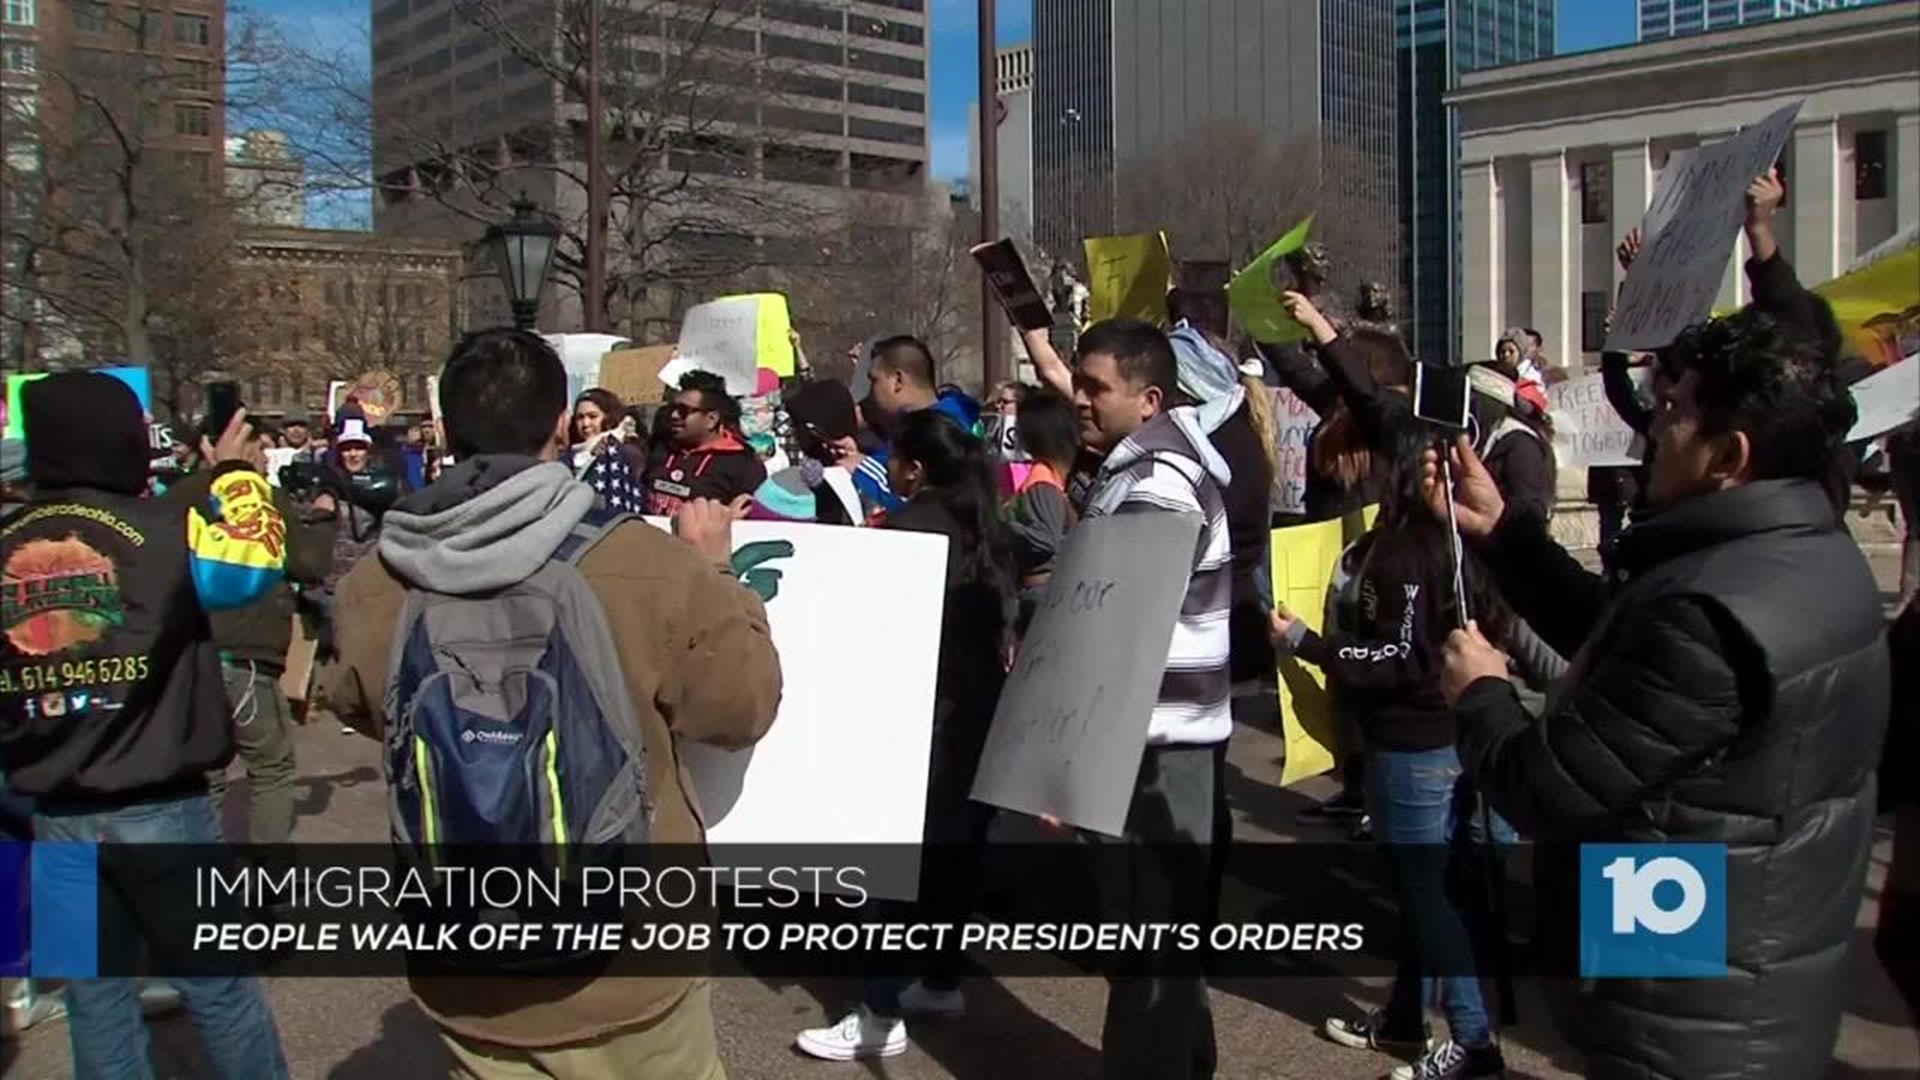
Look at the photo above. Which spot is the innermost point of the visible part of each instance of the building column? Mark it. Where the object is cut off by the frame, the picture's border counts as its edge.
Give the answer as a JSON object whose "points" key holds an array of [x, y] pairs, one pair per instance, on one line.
{"points": [[1906, 171], [1550, 254], [1813, 193], [1481, 284], [1632, 190]]}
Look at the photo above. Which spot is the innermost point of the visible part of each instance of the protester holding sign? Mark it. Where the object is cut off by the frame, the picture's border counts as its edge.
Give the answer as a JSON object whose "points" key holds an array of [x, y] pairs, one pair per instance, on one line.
{"points": [[1730, 689], [1159, 461], [710, 457], [695, 660], [947, 479]]}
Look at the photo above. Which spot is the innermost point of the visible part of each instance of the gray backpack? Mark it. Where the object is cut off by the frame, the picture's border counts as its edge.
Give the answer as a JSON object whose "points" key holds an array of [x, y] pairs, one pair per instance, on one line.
{"points": [[509, 721]]}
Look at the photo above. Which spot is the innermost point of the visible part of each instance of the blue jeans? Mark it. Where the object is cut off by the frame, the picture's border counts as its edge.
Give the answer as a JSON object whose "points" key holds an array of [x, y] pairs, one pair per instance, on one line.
{"points": [[1425, 817], [108, 1035]]}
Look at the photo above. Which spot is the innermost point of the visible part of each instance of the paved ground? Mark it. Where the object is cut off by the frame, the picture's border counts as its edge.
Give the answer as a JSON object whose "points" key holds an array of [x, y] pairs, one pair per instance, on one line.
{"points": [[1026, 1027]]}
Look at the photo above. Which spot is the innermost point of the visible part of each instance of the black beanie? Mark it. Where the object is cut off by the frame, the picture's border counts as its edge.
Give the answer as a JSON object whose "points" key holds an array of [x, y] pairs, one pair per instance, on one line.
{"points": [[84, 430]]}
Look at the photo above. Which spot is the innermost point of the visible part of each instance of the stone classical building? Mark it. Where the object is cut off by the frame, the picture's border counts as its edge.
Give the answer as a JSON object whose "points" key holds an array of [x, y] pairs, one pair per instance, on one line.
{"points": [[332, 304], [1559, 157]]}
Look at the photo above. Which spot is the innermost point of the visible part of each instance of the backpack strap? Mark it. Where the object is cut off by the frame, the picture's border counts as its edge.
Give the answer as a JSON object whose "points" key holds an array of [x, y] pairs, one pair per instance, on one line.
{"points": [[592, 529]]}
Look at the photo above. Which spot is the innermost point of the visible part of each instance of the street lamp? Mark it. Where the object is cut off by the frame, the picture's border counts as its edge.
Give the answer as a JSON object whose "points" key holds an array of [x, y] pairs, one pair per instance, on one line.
{"points": [[523, 254]]}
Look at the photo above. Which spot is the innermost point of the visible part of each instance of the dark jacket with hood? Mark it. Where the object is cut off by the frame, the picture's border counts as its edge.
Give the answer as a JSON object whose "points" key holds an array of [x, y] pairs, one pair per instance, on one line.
{"points": [[723, 470], [1733, 689], [262, 632], [110, 687]]}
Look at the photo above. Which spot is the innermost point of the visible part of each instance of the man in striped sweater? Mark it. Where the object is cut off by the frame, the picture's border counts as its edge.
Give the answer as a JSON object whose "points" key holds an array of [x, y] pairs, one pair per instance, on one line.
{"points": [[1159, 460]]}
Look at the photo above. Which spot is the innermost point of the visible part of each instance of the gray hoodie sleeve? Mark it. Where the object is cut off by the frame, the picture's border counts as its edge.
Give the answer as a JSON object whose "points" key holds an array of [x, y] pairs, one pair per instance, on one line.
{"points": [[1039, 520]]}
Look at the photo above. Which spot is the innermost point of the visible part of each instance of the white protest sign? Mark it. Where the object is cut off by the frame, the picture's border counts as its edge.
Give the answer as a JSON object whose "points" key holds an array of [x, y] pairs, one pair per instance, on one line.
{"points": [[723, 337], [1587, 432], [279, 457], [1886, 399], [1294, 423], [1689, 229], [846, 760], [1067, 738]]}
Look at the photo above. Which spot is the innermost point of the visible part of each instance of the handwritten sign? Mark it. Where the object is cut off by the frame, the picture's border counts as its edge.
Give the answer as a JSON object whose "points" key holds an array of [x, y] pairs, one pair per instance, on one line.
{"points": [[1294, 423], [1254, 301], [1587, 432], [734, 337], [1131, 276], [1067, 738], [1690, 226]]}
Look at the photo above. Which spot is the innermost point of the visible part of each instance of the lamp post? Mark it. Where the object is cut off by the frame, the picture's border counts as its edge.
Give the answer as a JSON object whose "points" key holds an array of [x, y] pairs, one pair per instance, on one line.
{"points": [[993, 340], [523, 249]]}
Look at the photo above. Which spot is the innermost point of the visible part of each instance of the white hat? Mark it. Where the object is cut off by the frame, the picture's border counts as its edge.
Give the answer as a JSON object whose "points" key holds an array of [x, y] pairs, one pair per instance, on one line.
{"points": [[353, 430]]}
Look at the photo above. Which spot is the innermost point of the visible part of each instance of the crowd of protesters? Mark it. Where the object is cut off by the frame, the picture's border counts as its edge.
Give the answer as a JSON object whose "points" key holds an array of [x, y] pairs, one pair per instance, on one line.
{"points": [[1727, 679]]}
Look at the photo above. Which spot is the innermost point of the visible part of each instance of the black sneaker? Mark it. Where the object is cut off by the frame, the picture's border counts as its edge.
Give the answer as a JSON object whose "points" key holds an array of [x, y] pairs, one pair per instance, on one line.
{"points": [[1342, 807], [1451, 1061], [1363, 832], [1370, 1032]]}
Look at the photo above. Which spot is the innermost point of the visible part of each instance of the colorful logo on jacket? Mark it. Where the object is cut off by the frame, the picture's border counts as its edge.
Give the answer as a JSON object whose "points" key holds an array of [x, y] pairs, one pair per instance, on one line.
{"points": [[57, 595]]}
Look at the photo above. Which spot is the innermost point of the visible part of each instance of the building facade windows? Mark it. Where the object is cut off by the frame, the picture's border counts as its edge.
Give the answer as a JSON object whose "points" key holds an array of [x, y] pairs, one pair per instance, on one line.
{"points": [[1869, 165], [192, 120], [17, 57], [1593, 321], [1596, 192], [192, 30], [90, 17], [18, 12]]}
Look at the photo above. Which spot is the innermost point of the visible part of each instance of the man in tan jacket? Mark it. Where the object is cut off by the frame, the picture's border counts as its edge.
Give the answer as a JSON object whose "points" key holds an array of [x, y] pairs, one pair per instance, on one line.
{"points": [[694, 647]]}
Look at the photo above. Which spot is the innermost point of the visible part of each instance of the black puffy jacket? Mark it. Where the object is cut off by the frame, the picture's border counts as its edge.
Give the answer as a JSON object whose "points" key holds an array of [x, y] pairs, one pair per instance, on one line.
{"points": [[1730, 687]]}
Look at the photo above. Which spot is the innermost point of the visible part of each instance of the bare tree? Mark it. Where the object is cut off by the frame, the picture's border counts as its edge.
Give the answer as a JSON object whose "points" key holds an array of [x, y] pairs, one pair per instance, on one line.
{"points": [[122, 243]]}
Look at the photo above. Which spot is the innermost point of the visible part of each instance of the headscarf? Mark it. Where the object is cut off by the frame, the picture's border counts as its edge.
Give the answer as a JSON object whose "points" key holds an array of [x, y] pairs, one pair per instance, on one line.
{"points": [[1206, 375]]}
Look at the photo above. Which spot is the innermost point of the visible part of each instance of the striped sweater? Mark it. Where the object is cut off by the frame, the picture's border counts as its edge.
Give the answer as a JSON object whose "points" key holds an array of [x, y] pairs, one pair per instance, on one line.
{"points": [[1169, 466]]}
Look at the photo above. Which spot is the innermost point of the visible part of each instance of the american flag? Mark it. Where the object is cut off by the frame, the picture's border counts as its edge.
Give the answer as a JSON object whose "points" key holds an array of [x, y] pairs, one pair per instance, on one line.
{"points": [[612, 478]]}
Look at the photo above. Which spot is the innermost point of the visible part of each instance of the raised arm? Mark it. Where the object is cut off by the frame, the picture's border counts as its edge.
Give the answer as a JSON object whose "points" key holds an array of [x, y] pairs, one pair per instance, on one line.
{"points": [[1047, 364]]}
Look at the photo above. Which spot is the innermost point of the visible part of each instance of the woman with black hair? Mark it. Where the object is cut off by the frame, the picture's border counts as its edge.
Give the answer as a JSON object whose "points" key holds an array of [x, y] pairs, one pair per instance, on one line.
{"points": [[948, 481], [598, 455], [1040, 514]]}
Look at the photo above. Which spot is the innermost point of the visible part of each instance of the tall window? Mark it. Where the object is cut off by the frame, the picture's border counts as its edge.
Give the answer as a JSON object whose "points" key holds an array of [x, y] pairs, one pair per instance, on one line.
{"points": [[17, 57], [1596, 192], [192, 120], [19, 12], [196, 76], [1869, 165], [90, 17], [1593, 321], [192, 30]]}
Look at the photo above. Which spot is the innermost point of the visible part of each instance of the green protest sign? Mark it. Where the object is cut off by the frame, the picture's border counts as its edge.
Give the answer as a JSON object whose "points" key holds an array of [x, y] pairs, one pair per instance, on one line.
{"points": [[1255, 301]]}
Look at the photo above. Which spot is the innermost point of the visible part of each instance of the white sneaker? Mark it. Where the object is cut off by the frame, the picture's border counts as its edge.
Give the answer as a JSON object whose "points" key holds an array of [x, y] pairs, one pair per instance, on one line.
{"points": [[28, 1008], [919, 999], [857, 1037]]}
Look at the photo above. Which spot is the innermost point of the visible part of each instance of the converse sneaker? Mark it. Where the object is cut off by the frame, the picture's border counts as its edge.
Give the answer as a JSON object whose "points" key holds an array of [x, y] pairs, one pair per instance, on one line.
{"points": [[1342, 807], [919, 999], [1451, 1061], [1370, 1032], [858, 1037], [27, 1008]]}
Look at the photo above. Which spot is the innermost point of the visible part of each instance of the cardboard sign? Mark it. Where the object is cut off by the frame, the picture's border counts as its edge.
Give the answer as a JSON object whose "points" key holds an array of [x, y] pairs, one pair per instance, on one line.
{"points": [[1131, 276], [1587, 432], [1255, 301], [1294, 423], [1690, 227], [1886, 399], [846, 761], [633, 375], [1068, 736], [734, 337], [1013, 286], [1304, 557]]}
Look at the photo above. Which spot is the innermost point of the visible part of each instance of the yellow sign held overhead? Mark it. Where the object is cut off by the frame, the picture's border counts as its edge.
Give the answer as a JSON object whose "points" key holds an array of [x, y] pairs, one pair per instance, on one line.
{"points": [[1131, 276]]}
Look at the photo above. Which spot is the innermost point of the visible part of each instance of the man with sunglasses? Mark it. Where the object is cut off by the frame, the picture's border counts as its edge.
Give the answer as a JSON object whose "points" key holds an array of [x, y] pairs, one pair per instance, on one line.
{"points": [[709, 459]]}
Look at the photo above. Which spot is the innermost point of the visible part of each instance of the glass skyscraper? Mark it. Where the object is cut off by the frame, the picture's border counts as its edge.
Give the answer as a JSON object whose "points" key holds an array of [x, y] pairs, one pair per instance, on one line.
{"points": [[1671, 18], [1439, 40]]}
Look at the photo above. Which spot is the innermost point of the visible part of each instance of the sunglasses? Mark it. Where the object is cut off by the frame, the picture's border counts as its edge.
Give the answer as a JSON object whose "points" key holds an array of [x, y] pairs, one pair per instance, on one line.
{"points": [[684, 411]]}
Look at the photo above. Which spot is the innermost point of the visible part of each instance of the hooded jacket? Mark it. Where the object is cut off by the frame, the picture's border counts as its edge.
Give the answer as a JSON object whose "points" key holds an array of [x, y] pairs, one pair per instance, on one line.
{"points": [[110, 687], [693, 644], [1169, 466], [722, 470], [1732, 689]]}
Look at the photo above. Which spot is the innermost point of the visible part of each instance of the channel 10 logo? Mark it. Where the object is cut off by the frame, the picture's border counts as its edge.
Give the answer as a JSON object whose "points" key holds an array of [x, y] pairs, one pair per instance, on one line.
{"points": [[1653, 911]]}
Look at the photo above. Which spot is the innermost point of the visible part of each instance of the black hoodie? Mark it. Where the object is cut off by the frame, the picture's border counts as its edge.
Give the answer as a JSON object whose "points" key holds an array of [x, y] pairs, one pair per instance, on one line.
{"points": [[110, 688]]}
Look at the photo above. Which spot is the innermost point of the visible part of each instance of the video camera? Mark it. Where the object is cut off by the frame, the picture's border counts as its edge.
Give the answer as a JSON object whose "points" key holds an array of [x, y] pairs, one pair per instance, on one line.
{"points": [[374, 490]]}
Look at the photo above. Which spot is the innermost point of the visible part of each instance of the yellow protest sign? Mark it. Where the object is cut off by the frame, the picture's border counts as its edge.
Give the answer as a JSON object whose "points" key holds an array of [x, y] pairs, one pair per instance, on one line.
{"points": [[1255, 300], [773, 333], [1878, 307], [1131, 276], [1303, 562]]}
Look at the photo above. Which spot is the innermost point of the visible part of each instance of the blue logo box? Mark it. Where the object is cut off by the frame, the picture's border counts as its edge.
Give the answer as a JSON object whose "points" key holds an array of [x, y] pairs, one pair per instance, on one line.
{"points": [[1653, 911]]}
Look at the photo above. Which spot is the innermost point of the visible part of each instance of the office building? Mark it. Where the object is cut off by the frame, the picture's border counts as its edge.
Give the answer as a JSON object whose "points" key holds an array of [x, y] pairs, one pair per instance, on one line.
{"points": [[1672, 18], [1559, 158], [1121, 80], [1013, 126], [803, 100], [1438, 41]]}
